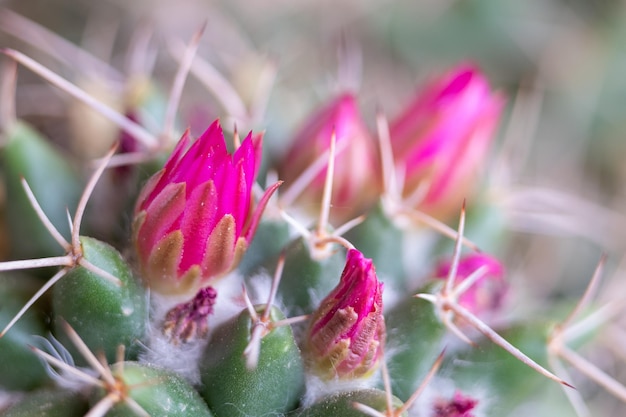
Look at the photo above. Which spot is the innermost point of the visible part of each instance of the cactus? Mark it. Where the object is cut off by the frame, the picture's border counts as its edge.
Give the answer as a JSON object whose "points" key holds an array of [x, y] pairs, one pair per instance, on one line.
{"points": [[362, 264]]}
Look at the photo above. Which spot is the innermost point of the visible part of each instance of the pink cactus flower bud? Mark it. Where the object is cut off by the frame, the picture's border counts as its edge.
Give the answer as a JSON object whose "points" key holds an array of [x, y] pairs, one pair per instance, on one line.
{"points": [[347, 331], [484, 297], [459, 405], [356, 178], [443, 137], [194, 218]]}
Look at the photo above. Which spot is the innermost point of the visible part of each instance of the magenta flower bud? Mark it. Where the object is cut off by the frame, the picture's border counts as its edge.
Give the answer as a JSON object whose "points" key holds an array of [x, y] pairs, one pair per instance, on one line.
{"points": [[347, 331], [443, 137], [194, 218], [485, 296], [356, 176]]}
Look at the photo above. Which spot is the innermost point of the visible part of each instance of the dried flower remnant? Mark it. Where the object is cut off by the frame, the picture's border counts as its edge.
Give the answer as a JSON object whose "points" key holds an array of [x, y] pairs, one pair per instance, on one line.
{"points": [[194, 218], [443, 137], [347, 331], [459, 405], [189, 320]]}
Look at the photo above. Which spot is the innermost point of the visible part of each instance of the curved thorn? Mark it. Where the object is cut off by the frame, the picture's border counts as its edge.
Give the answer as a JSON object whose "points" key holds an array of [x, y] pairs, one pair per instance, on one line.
{"points": [[350, 64], [65, 260], [236, 138], [468, 282], [215, 82], [439, 227], [594, 320], [134, 129], [136, 407], [418, 195], [490, 334], [100, 272], [85, 377], [588, 294], [390, 185], [519, 134], [335, 239], [307, 176], [456, 257], [253, 349], [42, 216], [447, 321], [138, 59], [103, 406], [179, 81], [290, 320], [428, 297], [251, 352], [84, 198], [54, 45], [249, 306], [366, 409], [280, 266], [328, 187], [34, 298], [593, 372], [120, 354], [386, 383], [431, 373], [574, 397], [70, 223], [123, 159], [302, 231], [349, 225], [7, 97], [93, 361], [263, 92]]}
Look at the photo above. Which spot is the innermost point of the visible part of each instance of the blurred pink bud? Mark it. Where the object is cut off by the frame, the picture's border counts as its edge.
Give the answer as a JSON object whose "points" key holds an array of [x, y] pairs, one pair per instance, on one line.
{"points": [[485, 296], [356, 178], [347, 331], [458, 406], [194, 219], [443, 138]]}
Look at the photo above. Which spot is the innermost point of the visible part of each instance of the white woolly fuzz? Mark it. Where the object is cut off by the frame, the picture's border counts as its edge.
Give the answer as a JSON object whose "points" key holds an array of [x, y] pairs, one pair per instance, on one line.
{"points": [[259, 287], [391, 296], [184, 358], [417, 255], [317, 388], [62, 377], [8, 398], [229, 302]]}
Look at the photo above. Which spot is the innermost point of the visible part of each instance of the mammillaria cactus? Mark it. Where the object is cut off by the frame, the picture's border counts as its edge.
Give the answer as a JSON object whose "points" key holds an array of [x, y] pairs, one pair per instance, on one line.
{"points": [[363, 263]]}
